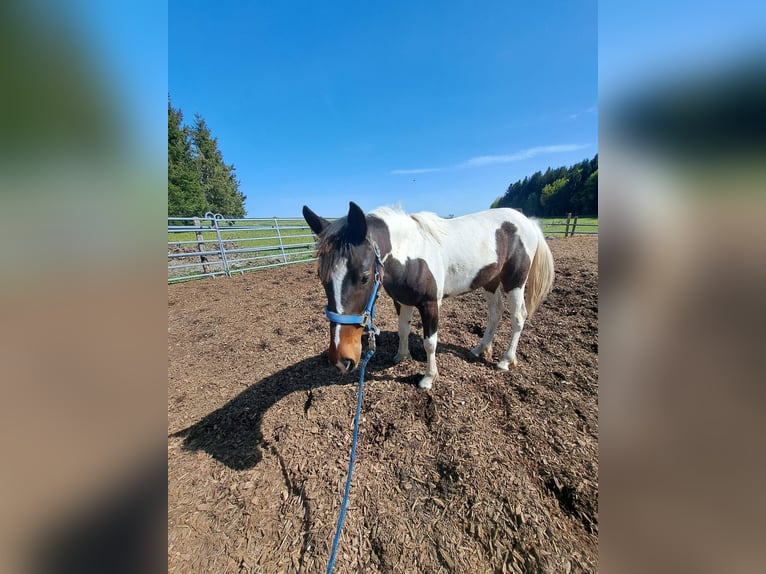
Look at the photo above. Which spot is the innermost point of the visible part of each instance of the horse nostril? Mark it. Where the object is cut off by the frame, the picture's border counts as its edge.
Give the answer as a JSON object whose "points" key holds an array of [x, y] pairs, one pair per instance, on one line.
{"points": [[349, 364]]}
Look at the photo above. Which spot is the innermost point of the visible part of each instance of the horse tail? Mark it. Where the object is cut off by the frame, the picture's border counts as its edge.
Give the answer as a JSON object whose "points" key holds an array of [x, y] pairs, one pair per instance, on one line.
{"points": [[540, 278]]}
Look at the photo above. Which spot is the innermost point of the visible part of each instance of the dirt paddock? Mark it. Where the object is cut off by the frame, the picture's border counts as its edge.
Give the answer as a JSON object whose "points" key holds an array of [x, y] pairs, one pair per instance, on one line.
{"points": [[487, 472]]}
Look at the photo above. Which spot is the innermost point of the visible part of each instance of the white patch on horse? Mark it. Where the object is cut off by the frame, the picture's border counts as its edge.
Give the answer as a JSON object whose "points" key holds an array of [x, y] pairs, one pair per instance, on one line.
{"points": [[337, 276], [415, 236]]}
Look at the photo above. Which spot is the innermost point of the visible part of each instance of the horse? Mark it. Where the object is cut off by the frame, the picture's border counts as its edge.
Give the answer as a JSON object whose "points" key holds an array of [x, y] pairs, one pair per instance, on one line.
{"points": [[419, 259]]}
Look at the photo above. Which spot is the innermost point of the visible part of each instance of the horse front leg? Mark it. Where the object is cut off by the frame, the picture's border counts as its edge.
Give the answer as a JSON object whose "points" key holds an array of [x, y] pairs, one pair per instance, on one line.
{"points": [[404, 313], [429, 313]]}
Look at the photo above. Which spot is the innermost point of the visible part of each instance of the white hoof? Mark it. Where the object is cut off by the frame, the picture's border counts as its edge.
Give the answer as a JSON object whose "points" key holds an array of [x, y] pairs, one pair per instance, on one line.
{"points": [[399, 358], [504, 365], [427, 382]]}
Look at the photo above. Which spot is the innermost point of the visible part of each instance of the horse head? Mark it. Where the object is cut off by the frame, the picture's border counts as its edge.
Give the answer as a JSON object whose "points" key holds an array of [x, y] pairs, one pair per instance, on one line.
{"points": [[348, 270]]}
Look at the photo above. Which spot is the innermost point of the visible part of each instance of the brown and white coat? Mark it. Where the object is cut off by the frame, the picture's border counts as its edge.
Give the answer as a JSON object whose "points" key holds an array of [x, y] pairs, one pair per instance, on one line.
{"points": [[426, 258]]}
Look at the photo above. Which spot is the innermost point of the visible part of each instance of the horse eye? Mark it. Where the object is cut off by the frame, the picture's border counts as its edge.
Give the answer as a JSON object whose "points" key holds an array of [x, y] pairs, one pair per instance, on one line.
{"points": [[365, 278]]}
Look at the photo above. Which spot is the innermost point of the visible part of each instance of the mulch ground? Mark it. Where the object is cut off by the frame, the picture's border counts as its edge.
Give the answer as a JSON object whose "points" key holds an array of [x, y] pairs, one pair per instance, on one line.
{"points": [[489, 471]]}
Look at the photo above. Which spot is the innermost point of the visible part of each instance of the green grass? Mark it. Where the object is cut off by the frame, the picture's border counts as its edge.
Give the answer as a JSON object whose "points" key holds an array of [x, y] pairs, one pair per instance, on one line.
{"points": [[556, 226]]}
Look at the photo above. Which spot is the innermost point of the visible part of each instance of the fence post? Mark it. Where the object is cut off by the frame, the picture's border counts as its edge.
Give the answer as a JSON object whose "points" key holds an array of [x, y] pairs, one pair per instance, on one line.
{"points": [[281, 245], [201, 245], [566, 231], [214, 217], [574, 224]]}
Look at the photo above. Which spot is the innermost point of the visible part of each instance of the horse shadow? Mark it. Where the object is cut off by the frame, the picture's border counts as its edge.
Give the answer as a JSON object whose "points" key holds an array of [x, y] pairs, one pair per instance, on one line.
{"points": [[232, 434]]}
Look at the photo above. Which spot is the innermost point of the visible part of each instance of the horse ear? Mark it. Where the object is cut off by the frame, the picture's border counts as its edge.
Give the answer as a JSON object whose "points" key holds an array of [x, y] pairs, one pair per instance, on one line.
{"points": [[357, 223], [316, 223]]}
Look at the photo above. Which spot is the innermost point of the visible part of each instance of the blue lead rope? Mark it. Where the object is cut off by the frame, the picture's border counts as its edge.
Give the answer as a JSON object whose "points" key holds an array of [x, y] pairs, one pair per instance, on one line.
{"points": [[362, 366]]}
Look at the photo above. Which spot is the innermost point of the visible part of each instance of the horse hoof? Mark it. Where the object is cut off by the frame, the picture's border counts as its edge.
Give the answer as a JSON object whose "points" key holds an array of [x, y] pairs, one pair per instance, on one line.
{"points": [[479, 353], [505, 365], [399, 358], [427, 382]]}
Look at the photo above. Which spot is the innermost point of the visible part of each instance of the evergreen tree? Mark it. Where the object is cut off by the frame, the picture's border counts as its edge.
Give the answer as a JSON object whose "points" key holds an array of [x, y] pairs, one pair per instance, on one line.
{"points": [[556, 192], [534, 188], [554, 196], [586, 201], [219, 183], [186, 197]]}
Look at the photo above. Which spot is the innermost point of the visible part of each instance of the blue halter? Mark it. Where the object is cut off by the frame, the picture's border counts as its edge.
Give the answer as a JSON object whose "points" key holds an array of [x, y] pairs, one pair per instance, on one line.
{"points": [[368, 315]]}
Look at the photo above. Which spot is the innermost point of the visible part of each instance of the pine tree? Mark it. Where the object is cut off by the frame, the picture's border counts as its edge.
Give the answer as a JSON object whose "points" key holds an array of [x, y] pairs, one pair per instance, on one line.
{"points": [[531, 205], [556, 192], [219, 182], [554, 197], [587, 199], [185, 194]]}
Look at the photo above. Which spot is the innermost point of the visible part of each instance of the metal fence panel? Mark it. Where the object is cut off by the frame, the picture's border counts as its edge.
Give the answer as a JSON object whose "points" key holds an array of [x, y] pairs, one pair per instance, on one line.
{"points": [[212, 246]]}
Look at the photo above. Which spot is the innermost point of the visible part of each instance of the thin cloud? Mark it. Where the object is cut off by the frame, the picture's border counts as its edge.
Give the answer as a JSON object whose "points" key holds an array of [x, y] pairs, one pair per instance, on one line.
{"points": [[518, 156], [483, 160], [590, 110]]}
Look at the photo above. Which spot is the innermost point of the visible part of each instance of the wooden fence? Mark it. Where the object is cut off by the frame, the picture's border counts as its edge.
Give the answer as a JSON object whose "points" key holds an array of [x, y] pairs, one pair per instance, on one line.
{"points": [[570, 226]]}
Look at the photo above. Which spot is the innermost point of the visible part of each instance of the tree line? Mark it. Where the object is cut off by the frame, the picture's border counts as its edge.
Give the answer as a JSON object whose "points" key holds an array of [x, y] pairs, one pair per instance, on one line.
{"points": [[556, 192], [198, 179]]}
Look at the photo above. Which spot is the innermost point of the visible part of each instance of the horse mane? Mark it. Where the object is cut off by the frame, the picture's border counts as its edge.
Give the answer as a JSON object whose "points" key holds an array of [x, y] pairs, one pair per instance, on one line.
{"points": [[427, 223]]}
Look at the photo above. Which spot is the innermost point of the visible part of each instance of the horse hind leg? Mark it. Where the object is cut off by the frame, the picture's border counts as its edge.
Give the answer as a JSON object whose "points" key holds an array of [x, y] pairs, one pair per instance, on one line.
{"points": [[518, 317], [405, 325], [495, 305]]}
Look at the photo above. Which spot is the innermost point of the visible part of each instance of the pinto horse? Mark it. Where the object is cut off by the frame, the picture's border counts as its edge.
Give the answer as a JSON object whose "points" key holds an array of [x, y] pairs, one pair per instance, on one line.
{"points": [[422, 258]]}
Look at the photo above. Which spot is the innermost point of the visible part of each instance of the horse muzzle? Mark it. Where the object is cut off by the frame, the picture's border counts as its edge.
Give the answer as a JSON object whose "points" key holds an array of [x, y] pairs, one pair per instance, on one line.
{"points": [[345, 346]]}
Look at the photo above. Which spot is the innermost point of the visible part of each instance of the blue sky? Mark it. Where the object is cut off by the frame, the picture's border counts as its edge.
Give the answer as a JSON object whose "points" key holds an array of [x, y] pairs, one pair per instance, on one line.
{"points": [[646, 45], [436, 106]]}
